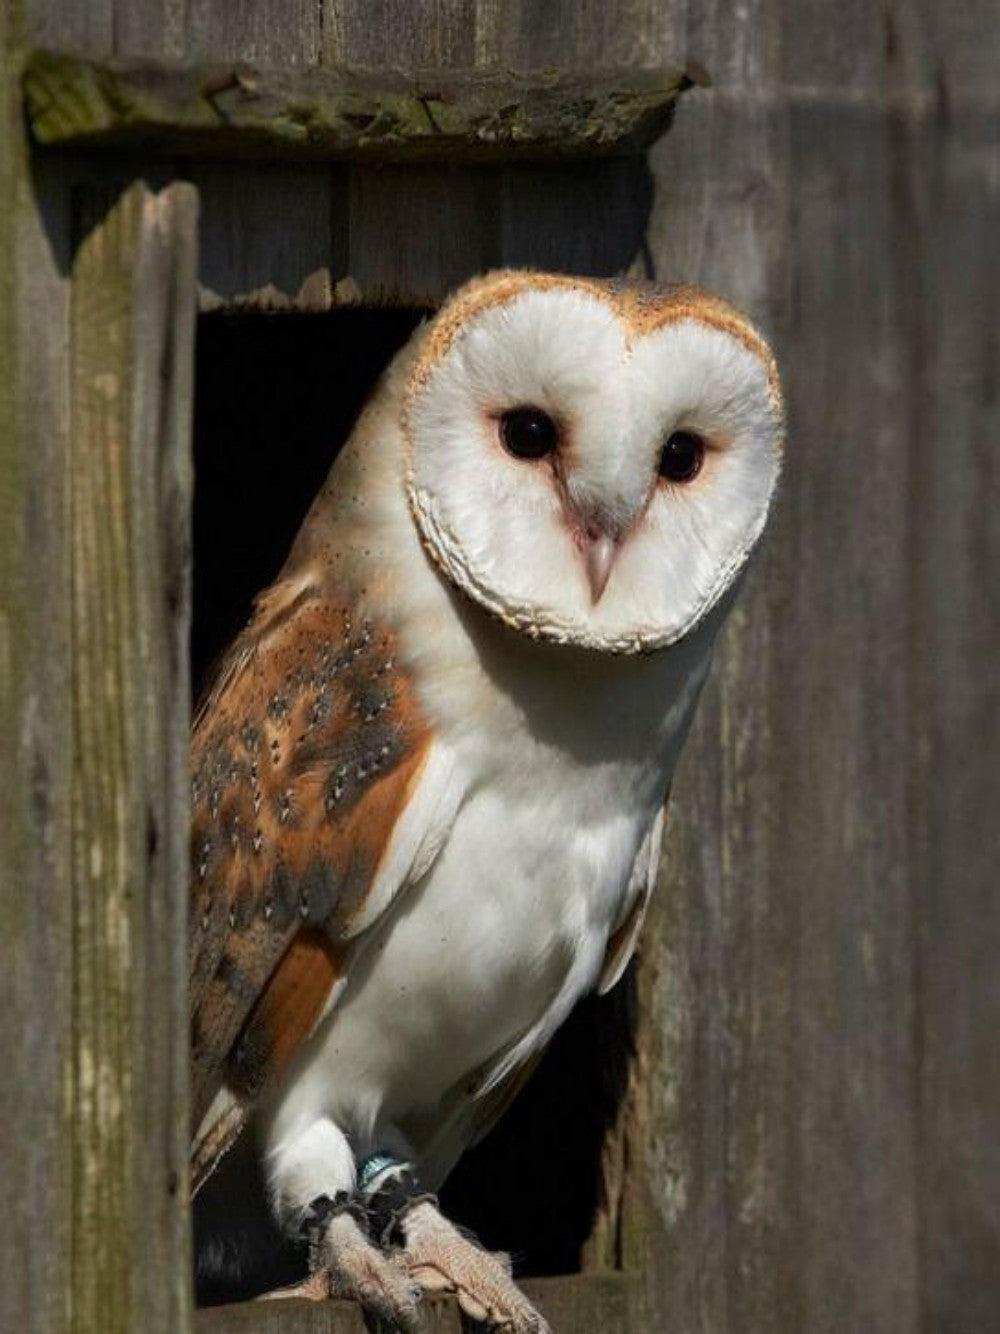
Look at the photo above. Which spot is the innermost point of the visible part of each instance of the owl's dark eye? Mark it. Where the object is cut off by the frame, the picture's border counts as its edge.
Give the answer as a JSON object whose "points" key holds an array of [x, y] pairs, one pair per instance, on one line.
{"points": [[528, 433], [682, 457]]}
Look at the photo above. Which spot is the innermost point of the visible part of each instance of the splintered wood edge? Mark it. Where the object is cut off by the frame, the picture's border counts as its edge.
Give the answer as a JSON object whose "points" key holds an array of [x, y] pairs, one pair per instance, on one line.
{"points": [[327, 114]]}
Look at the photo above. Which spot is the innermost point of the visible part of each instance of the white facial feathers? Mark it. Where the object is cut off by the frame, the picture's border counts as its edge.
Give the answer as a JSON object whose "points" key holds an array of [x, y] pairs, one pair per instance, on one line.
{"points": [[618, 370]]}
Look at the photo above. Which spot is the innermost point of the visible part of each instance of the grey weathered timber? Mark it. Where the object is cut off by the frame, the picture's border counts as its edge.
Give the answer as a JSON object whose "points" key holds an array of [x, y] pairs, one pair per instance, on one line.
{"points": [[406, 234], [273, 1316], [602, 1302], [245, 261], [254, 33], [819, 994], [95, 358], [168, 109], [306, 1317], [431, 34], [131, 346], [35, 732], [950, 179]]}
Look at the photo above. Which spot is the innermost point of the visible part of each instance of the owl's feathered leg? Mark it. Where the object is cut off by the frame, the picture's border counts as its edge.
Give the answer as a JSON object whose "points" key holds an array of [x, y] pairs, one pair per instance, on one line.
{"points": [[436, 1255], [312, 1179]]}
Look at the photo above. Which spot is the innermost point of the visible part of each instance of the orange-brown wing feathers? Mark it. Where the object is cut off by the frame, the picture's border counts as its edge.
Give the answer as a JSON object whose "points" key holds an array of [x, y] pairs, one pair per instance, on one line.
{"points": [[284, 1013], [303, 757]]}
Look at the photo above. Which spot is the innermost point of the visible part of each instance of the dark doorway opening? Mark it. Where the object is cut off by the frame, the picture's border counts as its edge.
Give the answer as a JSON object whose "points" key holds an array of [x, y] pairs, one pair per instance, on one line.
{"points": [[276, 396]]}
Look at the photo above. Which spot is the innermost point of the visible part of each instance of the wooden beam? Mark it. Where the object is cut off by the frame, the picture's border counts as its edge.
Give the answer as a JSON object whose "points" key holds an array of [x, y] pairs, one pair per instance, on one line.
{"points": [[609, 1303], [131, 363], [325, 114], [35, 913]]}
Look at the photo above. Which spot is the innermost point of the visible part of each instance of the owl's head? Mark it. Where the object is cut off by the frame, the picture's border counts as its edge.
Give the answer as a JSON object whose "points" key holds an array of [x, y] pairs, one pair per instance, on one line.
{"points": [[592, 462]]}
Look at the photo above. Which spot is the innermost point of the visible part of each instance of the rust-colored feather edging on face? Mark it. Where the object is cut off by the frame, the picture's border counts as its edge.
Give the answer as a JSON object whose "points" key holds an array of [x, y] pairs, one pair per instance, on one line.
{"points": [[643, 306], [643, 362]]}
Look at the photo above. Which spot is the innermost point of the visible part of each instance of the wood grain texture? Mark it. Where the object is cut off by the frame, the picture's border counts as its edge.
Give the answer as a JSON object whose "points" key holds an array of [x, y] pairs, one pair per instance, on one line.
{"points": [[132, 321], [272, 237], [260, 32], [415, 233], [948, 183], [261, 113], [150, 29], [436, 35], [816, 991], [406, 235], [809, 1139], [600, 1302], [525, 35], [61, 25], [271, 1317], [35, 730]]}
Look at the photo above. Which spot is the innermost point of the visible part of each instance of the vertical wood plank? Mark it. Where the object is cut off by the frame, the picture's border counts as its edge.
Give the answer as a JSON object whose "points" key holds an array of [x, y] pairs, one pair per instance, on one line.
{"points": [[509, 34], [35, 916], [65, 25], [818, 984], [150, 29], [949, 188], [272, 236], [132, 324], [416, 232], [582, 34], [608, 204], [257, 31], [434, 34], [783, 959]]}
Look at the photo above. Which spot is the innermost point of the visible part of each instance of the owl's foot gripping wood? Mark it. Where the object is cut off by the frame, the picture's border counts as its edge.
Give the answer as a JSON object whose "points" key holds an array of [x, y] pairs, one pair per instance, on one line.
{"points": [[343, 1262], [437, 1256], [441, 1259]]}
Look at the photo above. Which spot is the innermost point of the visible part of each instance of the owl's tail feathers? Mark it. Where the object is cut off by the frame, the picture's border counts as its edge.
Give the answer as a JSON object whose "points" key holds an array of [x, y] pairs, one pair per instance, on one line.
{"points": [[218, 1132]]}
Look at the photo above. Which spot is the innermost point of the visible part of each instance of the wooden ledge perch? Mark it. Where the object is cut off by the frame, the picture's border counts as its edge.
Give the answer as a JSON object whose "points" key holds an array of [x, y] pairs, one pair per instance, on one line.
{"points": [[594, 1301], [325, 114]]}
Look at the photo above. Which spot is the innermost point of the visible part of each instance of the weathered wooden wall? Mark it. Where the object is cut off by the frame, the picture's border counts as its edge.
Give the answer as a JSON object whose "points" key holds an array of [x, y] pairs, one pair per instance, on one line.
{"points": [[815, 1113], [96, 356], [826, 1151], [35, 744]]}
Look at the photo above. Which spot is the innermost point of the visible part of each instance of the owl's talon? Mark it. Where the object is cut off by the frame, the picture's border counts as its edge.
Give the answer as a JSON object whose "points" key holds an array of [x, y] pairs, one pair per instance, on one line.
{"points": [[438, 1257], [504, 1261], [429, 1278], [315, 1288], [473, 1309], [356, 1269]]}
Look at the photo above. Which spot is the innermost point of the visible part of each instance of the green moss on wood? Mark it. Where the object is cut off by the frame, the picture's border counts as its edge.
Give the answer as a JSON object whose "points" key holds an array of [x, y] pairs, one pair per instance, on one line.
{"points": [[329, 113]]}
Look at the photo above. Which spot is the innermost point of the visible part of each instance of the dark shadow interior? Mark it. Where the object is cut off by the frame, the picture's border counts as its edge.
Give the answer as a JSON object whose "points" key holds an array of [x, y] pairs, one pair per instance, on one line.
{"points": [[276, 396]]}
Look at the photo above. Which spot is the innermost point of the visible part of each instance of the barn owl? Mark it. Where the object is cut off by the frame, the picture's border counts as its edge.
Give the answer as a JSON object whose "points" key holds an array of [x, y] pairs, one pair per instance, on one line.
{"points": [[428, 783]]}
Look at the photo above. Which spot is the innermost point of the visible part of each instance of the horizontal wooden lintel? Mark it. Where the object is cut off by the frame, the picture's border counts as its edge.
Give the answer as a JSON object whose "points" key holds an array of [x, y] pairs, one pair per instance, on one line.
{"points": [[327, 114]]}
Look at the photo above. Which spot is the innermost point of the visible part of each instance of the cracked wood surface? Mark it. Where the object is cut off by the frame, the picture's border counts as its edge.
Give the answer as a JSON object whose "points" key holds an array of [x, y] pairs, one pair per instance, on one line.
{"points": [[169, 110]]}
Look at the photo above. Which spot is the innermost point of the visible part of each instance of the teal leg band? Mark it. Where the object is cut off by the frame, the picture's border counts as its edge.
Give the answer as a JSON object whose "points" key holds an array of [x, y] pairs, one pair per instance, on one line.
{"points": [[375, 1164]]}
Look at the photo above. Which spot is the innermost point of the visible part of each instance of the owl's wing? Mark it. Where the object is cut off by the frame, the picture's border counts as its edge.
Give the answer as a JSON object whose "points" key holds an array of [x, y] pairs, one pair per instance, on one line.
{"points": [[318, 792], [625, 937]]}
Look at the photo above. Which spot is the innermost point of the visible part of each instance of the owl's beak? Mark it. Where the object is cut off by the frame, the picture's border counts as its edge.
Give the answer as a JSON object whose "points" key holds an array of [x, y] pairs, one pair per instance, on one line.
{"points": [[599, 556]]}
